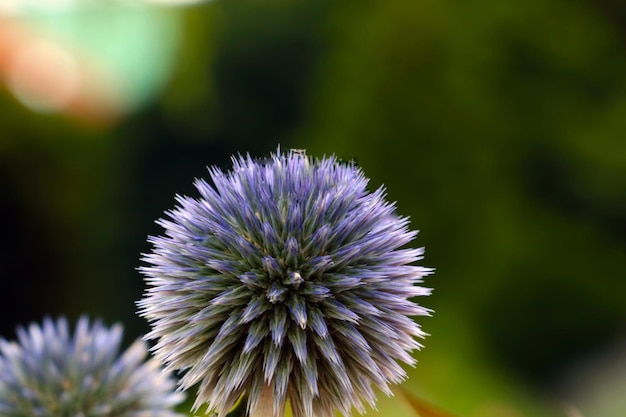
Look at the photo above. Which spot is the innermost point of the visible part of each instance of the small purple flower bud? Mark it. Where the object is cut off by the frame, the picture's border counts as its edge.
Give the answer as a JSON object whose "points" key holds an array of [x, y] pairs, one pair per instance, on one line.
{"points": [[49, 372]]}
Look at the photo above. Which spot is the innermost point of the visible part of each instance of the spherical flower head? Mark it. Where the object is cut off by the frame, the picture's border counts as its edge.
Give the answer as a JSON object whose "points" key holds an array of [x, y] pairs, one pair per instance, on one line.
{"points": [[48, 372], [286, 279]]}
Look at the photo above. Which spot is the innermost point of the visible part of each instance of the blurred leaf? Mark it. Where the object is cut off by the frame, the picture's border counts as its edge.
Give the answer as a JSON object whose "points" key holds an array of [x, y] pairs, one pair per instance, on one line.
{"points": [[423, 408], [240, 409]]}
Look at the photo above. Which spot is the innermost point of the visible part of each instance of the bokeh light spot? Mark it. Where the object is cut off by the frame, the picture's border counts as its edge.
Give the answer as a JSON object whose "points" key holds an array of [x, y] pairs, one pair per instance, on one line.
{"points": [[44, 77]]}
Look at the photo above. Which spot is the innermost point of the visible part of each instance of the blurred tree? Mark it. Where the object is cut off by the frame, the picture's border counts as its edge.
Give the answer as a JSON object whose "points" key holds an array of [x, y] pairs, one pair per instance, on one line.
{"points": [[498, 127]]}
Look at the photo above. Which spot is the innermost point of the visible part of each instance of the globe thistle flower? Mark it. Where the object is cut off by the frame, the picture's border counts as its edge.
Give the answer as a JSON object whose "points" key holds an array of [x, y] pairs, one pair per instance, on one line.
{"points": [[48, 372], [286, 279]]}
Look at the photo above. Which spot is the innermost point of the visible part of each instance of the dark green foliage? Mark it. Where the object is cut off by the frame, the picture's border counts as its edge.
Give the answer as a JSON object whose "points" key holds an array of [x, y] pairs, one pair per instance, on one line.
{"points": [[497, 126]]}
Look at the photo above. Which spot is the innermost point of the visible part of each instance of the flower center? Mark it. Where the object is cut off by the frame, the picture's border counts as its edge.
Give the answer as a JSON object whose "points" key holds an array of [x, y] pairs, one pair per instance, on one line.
{"points": [[294, 279], [278, 291]]}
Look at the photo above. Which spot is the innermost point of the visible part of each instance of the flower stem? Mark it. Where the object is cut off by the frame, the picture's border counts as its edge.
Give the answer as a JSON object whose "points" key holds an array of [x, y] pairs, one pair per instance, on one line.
{"points": [[265, 405]]}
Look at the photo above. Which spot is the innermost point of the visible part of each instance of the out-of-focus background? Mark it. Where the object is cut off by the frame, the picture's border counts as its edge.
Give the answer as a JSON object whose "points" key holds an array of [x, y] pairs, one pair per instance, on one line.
{"points": [[499, 127]]}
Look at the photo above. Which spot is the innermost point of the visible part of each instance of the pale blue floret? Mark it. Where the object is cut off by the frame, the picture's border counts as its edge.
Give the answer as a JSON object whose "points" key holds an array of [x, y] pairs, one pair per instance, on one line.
{"points": [[49, 372], [289, 273]]}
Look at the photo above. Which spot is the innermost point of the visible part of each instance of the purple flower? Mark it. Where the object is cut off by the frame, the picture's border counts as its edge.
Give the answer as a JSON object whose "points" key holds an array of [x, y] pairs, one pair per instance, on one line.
{"points": [[286, 279], [48, 372]]}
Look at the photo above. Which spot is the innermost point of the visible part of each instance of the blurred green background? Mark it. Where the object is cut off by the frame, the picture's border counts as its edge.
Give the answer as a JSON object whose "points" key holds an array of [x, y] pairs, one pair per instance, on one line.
{"points": [[498, 127]]}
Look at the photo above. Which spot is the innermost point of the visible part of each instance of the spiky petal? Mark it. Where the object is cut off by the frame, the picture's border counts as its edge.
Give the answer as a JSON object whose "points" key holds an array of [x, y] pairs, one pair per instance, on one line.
{"points": [[50, 372], [285, 273]]}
